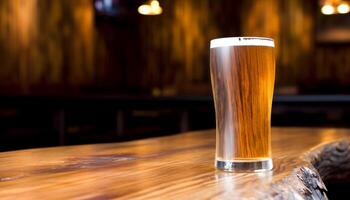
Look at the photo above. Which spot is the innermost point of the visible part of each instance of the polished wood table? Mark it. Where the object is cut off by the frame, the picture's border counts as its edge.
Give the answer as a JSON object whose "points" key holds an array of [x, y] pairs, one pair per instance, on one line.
{"points": [[176, 167]]}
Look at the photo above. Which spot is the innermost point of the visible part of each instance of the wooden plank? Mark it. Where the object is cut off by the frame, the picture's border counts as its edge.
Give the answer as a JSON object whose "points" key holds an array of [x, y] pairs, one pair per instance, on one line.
{"points": [[174, 167]]}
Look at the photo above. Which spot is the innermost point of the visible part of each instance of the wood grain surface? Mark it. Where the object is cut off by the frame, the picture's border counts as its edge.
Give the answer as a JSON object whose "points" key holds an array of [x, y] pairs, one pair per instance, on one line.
{"points": [[173, 167], [243, 80]]}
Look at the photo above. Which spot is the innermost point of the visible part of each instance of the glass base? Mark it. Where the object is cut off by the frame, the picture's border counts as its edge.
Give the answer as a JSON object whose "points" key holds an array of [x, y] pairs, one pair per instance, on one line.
{"points": [[245, 165]]}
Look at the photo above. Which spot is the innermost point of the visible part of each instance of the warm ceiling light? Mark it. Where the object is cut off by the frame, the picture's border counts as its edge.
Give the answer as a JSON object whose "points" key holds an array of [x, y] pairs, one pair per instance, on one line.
{"points": [[144, 9], [154, 4], [327, 9], [343, 8], [152, 8]]}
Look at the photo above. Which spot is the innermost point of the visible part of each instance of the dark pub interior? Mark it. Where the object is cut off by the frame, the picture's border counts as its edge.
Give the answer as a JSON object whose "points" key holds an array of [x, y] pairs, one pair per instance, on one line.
{"points": [[76, 72]]}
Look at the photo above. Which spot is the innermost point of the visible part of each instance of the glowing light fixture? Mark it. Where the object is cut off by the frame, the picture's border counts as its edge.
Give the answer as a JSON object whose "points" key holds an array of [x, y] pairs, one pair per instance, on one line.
{"points": [[343, 8], [330, 7], [327, 9], [150, 8]]}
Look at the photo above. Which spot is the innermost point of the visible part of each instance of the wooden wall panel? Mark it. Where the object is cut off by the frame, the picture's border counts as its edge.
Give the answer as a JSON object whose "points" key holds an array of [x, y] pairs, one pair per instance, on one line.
{"points": [[48, 46], [177, 42], [331, 71], [58, 46], [297, 41], [46, 43]]}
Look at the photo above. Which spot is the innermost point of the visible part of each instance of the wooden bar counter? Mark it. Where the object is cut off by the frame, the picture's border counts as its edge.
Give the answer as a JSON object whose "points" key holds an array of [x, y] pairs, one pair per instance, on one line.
{"points": [[176, 167]]}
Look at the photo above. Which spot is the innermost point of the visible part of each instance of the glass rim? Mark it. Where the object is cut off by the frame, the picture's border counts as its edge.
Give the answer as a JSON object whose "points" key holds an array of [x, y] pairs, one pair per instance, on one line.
{"points": [[242, 41]]}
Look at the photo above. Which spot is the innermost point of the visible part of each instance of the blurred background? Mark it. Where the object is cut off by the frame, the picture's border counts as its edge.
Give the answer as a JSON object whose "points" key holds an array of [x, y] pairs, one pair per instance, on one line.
{"points": [[91, 71]]}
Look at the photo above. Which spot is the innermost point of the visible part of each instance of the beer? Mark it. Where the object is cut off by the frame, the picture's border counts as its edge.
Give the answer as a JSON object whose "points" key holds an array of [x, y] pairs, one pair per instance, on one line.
{"points": [[243, 73]]}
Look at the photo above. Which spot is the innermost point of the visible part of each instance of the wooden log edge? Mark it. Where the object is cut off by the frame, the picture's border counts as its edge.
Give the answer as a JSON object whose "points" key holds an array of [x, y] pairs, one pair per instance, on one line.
{"points": [[327, 162]]}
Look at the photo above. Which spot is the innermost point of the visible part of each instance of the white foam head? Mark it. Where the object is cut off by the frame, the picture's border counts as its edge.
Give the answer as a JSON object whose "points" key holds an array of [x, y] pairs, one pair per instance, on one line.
{"points": [[242, 41]]}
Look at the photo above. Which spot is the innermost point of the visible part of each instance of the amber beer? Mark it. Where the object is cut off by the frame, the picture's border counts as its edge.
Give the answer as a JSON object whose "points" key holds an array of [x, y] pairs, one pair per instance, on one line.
{"points": [[242, 72]]}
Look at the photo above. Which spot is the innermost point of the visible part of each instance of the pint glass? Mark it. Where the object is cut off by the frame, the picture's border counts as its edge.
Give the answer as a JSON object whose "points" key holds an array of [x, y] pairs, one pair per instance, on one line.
{"points": [[242, 73]]}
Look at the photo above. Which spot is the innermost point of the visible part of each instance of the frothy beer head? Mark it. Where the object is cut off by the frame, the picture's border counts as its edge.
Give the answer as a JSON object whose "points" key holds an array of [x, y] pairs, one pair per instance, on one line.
{"points": [[242, 41]]}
